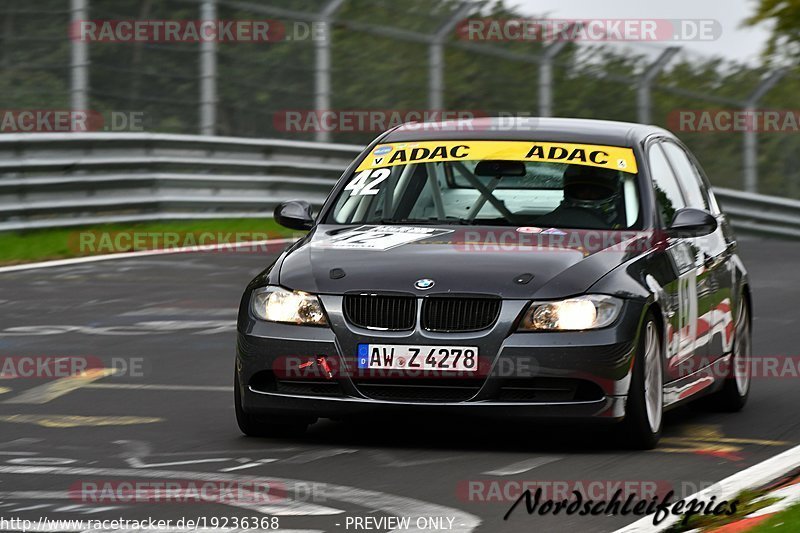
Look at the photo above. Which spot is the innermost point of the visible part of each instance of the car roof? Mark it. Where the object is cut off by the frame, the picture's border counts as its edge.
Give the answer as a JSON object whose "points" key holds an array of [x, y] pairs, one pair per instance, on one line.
{"points": [[569, 130]]}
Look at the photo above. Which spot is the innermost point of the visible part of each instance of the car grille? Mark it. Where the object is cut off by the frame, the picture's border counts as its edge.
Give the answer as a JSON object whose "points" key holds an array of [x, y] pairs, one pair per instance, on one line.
{"points": [[422, 390], [459, 314], [383, 312]]}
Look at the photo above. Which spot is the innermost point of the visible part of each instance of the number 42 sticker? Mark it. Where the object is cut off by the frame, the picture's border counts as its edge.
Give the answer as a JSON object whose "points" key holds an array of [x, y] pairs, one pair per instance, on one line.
{"points": [[361, 184]]}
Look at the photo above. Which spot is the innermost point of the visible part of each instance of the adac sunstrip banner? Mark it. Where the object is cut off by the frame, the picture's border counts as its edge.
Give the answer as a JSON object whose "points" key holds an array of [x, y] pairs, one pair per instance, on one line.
{"points": [[393, 154]]}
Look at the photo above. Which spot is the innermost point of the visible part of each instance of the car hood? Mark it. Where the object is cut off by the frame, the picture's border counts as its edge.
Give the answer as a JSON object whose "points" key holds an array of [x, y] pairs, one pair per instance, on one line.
{"points": [[509, 262]]}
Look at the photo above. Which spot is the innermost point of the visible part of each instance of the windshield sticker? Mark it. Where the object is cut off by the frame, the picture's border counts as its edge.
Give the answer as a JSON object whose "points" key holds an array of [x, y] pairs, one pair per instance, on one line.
{"points": [[366, 181], [593, 155], [381, 238]]}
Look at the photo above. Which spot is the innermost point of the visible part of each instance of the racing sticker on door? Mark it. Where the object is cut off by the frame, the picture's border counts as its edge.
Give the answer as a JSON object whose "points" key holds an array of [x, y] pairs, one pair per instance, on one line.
{"points": [[381, 238], [683, 342]]}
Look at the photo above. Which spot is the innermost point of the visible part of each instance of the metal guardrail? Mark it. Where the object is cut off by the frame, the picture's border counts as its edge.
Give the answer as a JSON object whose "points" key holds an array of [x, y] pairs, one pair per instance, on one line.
{"points": [[759, 214], [58, 180]]}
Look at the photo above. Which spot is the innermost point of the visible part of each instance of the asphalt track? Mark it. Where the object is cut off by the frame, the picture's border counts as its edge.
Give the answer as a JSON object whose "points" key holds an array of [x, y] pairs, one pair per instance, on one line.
{"points": [[172, 417]]}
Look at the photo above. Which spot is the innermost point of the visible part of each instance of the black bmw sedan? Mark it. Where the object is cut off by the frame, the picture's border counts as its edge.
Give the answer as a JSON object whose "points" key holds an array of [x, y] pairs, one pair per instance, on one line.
{"points": [[565, 268]]}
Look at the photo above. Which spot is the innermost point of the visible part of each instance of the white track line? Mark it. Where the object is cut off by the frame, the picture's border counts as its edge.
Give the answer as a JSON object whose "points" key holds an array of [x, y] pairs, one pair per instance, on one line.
{"points": [[728, 488], [522, 466], [134, 386], [141, 253]]}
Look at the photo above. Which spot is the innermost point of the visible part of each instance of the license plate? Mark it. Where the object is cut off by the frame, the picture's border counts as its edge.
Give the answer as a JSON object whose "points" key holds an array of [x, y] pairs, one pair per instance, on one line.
{"points": [[410, 357]]}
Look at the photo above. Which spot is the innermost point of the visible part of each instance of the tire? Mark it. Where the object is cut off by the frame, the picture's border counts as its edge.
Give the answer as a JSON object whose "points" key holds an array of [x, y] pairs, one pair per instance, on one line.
{"points": [[266, 426], [644, 411], [733, 395]]}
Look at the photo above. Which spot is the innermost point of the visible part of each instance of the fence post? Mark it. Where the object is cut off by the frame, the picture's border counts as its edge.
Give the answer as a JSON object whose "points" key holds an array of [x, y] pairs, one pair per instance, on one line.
{"points": [[208, 74], [645, 84], [750, 148], [546, 75], [436, 63], [322, 67], [79, 58]]}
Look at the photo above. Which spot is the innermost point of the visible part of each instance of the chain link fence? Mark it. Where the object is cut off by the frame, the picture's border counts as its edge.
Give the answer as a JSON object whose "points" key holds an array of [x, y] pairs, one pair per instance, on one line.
{"points": [[382, 57]]}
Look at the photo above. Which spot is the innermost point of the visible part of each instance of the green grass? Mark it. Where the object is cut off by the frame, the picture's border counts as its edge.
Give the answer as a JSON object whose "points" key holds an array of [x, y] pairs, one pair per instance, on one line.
{"points": [[788, 520], [747, 504], [62, 243]]}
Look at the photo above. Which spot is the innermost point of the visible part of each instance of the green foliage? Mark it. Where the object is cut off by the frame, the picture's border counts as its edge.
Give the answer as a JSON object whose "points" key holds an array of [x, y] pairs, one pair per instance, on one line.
{"points": [[784, 522], [748, 501], [784, 15]]}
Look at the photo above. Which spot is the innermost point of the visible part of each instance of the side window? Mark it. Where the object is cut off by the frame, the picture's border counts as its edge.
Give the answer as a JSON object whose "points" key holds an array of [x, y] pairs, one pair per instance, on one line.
{"points": [[668, 192], [687, 174], [706, 185]]}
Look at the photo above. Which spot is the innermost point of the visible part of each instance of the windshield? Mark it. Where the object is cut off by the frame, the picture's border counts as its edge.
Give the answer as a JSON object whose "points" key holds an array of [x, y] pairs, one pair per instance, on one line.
{"points": [[495, 183]]}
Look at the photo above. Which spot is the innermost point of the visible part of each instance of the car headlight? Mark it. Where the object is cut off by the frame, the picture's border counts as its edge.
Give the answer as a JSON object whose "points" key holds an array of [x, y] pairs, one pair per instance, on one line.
{"points": [[574, 314], [275, 304]]}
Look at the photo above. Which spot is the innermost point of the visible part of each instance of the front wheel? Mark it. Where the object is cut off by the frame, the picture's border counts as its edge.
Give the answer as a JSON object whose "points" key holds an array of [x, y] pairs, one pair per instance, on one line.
{"points": [[265, 426], [645, 406]]}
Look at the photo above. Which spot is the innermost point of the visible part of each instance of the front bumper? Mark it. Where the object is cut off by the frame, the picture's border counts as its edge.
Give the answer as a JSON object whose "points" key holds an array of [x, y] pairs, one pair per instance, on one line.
{"points": [[576, 375]]}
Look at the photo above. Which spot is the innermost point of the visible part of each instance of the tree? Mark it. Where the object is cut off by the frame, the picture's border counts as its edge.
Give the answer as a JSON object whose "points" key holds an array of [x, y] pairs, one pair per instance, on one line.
{"points": [[785, 18]]}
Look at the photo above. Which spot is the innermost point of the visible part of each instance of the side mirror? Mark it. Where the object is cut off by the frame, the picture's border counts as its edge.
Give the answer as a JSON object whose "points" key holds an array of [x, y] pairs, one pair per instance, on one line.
{"points": [[295, 214], [691, 222]]}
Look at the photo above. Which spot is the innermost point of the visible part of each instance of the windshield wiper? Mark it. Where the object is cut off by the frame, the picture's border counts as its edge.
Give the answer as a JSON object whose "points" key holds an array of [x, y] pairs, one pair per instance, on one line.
{"points": [[432, 220]]}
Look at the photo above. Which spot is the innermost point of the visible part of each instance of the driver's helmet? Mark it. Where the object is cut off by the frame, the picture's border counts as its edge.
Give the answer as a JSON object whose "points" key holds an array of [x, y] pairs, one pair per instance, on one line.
{"points": [[593, 188]]}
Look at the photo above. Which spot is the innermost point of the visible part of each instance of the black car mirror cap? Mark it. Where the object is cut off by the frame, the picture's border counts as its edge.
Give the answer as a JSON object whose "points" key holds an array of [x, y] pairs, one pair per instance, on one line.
{"points": [[294, 214], [692, 222]]}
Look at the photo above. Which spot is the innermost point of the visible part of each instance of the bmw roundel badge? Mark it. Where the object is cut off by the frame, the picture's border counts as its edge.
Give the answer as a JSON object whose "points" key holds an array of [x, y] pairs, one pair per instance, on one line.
{"points": [[424, 284]]}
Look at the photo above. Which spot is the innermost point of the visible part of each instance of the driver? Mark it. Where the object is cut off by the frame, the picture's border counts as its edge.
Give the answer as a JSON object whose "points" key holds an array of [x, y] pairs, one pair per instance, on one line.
{"points": [[594, 189]]}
